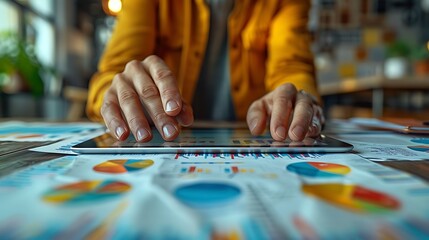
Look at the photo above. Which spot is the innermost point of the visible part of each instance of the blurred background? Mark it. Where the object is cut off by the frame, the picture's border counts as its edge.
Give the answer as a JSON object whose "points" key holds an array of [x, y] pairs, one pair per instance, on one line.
{"points": [[372, 56]]}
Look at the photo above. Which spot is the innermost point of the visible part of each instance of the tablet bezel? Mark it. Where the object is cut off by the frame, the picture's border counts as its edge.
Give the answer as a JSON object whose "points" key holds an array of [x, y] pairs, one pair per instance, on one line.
{"points": [[330, 145]]}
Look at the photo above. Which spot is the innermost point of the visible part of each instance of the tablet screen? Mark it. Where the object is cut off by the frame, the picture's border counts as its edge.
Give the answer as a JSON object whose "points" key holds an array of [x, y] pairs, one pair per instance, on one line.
{"points": [[215, 139]]}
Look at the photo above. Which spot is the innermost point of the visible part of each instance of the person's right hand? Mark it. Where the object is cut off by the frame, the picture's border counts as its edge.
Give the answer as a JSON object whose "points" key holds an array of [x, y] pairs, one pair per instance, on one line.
{"points": [[145, 91]]}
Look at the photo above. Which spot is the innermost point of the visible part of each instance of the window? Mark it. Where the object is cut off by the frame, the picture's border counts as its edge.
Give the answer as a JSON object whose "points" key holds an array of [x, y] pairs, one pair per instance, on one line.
{"points": [[42, 35], [9, 12], [34, 21]]}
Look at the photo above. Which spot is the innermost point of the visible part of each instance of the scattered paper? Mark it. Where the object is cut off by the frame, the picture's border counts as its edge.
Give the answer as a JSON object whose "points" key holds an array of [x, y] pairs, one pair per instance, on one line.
{"points": [[205, 196], [201, 196], [63, 147], [41, 132], [388, 146]]}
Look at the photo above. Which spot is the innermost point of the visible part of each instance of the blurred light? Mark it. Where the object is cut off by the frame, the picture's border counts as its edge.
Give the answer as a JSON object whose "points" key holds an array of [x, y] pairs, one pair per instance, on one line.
{"points": [[115, 6], [425, 5], [112, 7], [427, 45]]}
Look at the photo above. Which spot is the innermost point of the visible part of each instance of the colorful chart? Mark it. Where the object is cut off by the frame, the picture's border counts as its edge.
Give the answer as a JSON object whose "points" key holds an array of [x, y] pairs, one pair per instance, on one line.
{"points": [[353, 197], [25, 136], [86, 191], [207, 194], [422, 148], [318, 169], [123, 165], [29, 136], [420, 140], [195, 169], [236, 170]]}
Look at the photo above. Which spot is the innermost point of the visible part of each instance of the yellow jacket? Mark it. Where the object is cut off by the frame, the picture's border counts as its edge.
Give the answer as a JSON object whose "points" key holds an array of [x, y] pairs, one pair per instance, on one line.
{"points": [[268, 41]]}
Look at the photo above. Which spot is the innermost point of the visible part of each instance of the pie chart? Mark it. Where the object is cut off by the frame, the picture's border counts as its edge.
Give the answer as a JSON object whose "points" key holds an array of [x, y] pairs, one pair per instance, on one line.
{"points": [[422, 148], [318, 169], [123, 165], [86, 191], [420, 140], [207, 194], [353, 197]]}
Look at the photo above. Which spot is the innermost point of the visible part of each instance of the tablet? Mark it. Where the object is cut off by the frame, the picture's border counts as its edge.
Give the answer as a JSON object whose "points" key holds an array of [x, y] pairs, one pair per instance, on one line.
{"points": [[215, 140]]}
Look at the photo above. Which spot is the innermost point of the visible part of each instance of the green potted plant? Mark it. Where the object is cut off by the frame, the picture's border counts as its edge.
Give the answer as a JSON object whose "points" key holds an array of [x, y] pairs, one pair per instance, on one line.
{"points": [[420, 56], [19, 66], [397, 64]]}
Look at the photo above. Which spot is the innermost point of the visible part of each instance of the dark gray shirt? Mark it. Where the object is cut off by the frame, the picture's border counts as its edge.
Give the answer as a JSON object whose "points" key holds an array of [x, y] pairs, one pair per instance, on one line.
{"points": [[212, 99]]}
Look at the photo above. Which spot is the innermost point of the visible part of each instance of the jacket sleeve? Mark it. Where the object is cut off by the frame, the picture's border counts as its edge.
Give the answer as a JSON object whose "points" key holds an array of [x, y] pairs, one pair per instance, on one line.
{"points": [[290, 59], [133, 38]]}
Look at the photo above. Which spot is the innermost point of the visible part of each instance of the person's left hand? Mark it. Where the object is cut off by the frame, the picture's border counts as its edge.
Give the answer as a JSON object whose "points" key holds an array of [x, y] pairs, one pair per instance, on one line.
{"points": [[290, 113]]}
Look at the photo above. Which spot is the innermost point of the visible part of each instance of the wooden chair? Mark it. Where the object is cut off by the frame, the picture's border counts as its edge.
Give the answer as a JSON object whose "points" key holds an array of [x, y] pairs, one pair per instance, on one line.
{"points": [[77, 97]]}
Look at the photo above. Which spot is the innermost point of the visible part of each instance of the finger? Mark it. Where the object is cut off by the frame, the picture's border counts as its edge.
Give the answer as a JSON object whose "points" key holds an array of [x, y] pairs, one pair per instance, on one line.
{"points": [[148, 94], [112, 116], [257, 117], [132, 109], [316, 123], [283, 99], [166, 125], [186, 116], [302, 117], [166, 84], [321, 115]]}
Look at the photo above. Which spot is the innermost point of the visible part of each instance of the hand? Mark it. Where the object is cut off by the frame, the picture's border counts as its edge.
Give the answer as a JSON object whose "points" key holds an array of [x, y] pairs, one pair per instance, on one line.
{"points": [[145, 91], [289, 112]]}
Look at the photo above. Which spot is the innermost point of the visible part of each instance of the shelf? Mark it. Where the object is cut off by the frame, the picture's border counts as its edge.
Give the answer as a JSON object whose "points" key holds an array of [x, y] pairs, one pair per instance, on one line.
{"points": [[377, 86], [351, 85]]}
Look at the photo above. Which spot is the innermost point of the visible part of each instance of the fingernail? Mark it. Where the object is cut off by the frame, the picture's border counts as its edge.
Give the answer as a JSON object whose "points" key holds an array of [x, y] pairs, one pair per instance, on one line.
{"points": [[298, 132], [253, 124], [281, 132], [311, 130], [142, 134], [119, 132], [169, 130], [171, 106]]}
